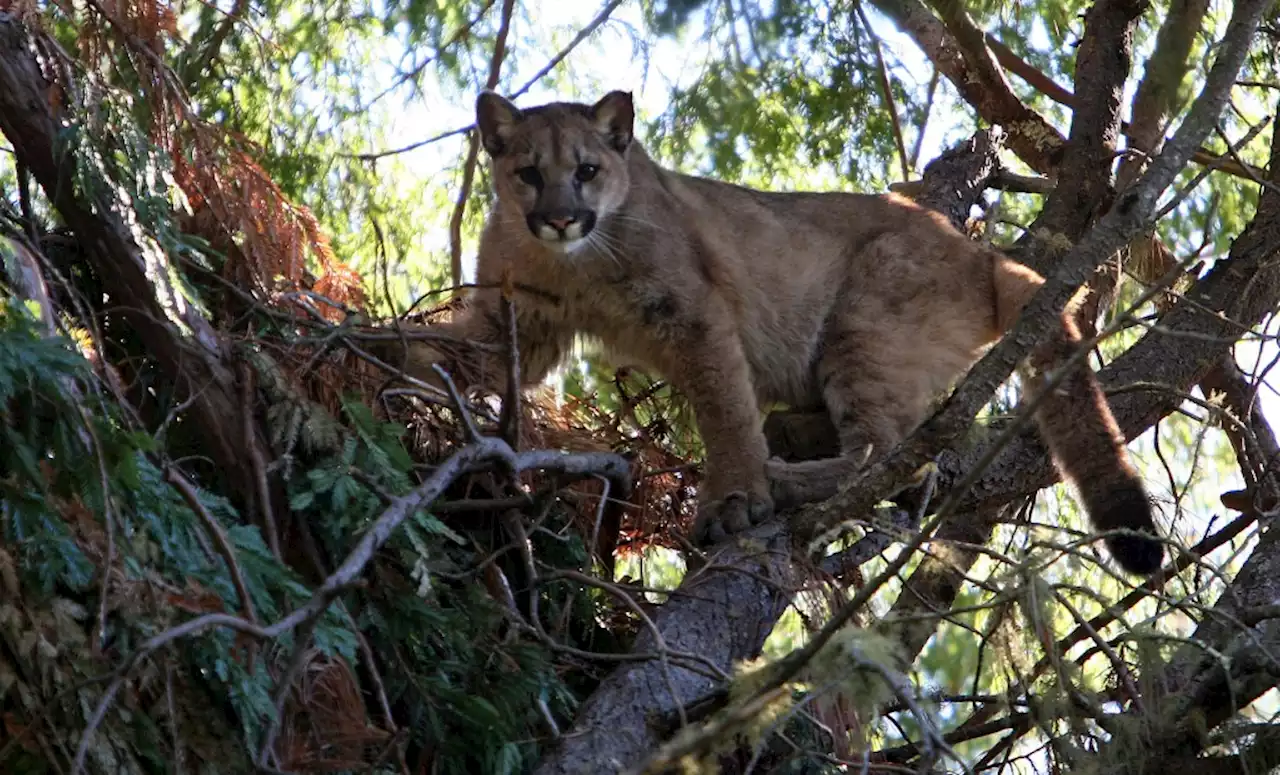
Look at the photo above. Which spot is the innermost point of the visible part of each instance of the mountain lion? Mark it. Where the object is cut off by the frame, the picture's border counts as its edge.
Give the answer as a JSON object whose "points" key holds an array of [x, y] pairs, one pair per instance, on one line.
{"points": [[867, 305]]}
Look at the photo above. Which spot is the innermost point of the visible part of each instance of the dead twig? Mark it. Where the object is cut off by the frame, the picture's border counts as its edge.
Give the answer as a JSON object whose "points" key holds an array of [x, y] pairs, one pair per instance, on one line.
{"points": [[560, 55], [270, 529], [473, 149], [886, 88]]}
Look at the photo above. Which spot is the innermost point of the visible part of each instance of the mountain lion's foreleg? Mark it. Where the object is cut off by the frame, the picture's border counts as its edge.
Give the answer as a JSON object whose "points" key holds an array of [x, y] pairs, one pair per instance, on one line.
{"points": [[714, 374]]}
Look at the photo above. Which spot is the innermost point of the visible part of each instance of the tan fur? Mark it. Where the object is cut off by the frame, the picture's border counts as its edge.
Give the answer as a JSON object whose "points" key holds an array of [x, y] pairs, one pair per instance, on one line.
{"points": [[867, 305]]}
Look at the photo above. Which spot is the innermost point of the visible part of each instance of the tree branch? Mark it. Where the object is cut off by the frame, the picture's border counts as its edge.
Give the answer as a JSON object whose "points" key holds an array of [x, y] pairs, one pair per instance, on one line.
{"points": [[886, 89], [1156, 98], [963, 60], [582, 35], [195, 68], [1102, 67], [559, 57], [1042, 83], [966, 62], [473, 149]]}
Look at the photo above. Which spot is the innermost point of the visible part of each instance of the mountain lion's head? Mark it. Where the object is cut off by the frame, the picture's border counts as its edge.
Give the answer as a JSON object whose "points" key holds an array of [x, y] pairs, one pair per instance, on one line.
{"points": [[563, 164]]}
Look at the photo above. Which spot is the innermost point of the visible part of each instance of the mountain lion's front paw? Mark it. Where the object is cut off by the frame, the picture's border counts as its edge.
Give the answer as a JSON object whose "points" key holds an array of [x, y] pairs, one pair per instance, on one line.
{"points": [[736, 512]]}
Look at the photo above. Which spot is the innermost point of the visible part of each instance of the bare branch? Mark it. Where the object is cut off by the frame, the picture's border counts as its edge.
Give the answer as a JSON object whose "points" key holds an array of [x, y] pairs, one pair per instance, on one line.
{"points": [[461, 32], [188, 492], [958, 52], [560, 55], [886, 89], [473, 148]]}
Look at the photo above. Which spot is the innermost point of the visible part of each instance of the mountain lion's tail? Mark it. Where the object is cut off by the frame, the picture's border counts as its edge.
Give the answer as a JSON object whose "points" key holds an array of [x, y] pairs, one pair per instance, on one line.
{"points": [[1081, 433]]}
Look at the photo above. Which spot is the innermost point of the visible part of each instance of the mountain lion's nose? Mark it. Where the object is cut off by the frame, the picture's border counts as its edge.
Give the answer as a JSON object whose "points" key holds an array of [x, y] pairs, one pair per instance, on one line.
{"points": [[561, 224]]}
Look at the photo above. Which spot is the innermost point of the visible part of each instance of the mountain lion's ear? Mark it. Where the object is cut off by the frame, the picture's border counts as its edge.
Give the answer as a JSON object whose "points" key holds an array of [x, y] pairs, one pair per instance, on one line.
{"points": [[615, 116], [495, 117]]}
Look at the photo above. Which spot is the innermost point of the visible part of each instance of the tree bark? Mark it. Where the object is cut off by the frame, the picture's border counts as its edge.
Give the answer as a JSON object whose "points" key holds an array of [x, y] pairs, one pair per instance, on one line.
{"points": [[958, 50]]}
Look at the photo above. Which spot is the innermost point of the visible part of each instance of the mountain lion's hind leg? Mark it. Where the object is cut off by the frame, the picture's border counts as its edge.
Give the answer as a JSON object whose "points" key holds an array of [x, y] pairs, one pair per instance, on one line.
{"points": [[871, 399]]}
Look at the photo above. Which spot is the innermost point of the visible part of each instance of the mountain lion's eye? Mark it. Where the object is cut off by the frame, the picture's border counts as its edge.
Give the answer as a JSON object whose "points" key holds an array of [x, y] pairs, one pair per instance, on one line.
{"points": [[586, 172], [530, 176]]}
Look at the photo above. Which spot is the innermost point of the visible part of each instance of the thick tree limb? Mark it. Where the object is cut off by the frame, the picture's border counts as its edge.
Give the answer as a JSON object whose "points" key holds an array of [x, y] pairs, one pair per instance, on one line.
{"points": [[1262, 755], [1181, 24], [1155, 100], [473, 150], [725, 612], [980, 83], [1102, 67], [1154, 104]]}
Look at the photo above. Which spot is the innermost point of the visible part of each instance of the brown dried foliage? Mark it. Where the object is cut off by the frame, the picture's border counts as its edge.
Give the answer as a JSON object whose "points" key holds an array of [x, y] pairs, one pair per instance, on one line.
{"points": [[234, 204], [240, 210], [662, 502], [325, 727]]}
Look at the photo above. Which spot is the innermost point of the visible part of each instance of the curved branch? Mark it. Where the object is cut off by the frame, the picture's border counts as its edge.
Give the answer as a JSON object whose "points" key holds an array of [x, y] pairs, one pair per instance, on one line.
{"points": [[473, 150], [959, 52], [582, 35]]}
